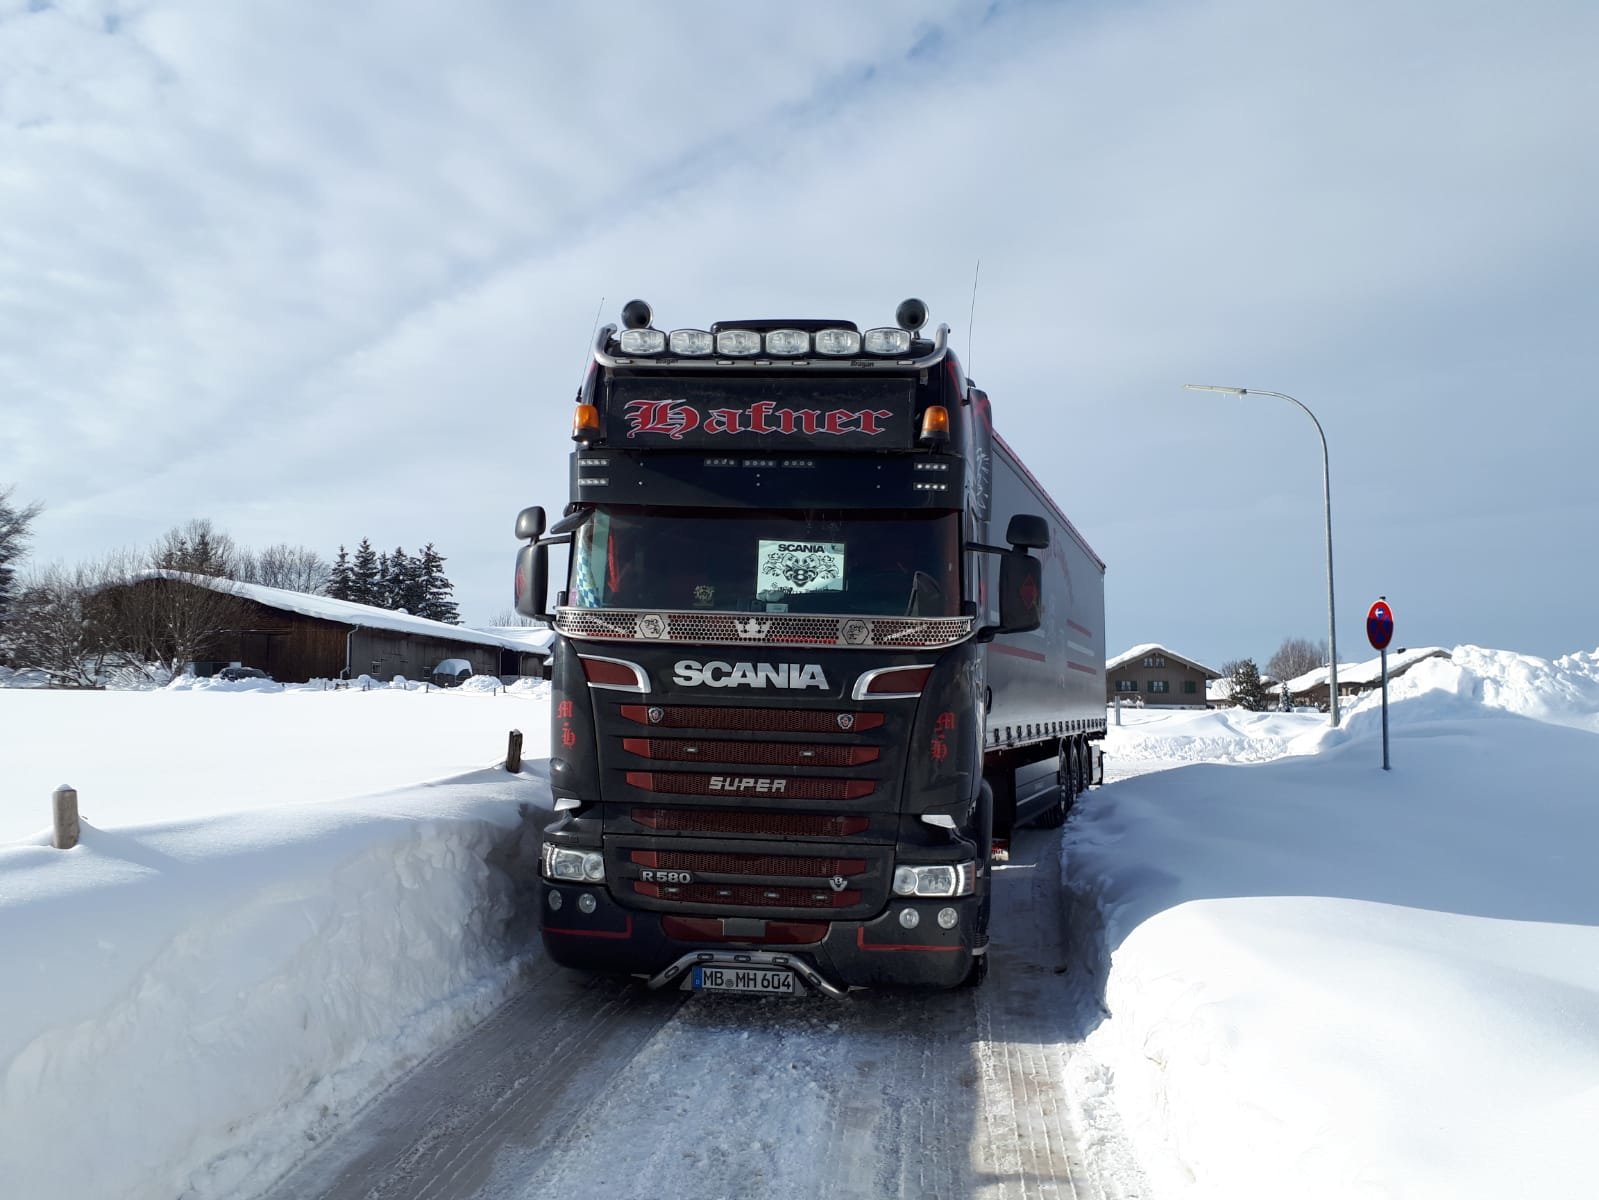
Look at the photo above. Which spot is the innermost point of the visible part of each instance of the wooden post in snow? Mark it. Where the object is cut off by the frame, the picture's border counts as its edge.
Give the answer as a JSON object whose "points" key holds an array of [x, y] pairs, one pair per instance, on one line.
{"points": [[513, 752], [65, 806]]}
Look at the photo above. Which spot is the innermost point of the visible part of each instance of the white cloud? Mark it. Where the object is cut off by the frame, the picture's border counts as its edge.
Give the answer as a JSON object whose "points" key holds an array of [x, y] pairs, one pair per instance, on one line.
{"points": [[273, 268]]}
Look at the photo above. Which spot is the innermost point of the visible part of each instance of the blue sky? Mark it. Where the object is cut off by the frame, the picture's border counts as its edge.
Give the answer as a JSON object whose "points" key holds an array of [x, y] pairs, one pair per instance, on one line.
{"points": [[323, 273]]}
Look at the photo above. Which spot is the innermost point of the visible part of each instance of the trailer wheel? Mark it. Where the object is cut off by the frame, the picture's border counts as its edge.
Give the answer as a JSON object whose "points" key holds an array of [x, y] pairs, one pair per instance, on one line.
{"points": [[1068, 776]]}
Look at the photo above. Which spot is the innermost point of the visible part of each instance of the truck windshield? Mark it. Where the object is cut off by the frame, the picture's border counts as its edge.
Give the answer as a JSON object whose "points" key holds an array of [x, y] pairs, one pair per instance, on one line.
{"points": [[755, 561]]}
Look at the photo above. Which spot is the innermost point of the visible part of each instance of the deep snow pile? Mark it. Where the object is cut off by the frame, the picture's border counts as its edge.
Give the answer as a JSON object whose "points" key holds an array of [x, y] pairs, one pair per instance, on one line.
{"points": [[1155, 738], [195, 998], [202, 747], [1330, 980]]}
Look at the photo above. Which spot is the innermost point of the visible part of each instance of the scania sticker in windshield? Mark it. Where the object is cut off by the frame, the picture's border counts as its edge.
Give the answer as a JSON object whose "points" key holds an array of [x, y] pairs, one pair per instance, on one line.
{"points": [[784, 568]]}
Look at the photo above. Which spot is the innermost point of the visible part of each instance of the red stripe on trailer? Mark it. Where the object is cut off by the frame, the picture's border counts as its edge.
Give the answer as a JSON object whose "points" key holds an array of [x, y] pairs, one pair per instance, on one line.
{"points": [[1017, 652]]}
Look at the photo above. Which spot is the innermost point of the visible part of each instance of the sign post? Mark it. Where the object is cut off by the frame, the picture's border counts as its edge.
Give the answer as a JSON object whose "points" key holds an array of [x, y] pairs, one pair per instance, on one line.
{"points": [[1379, 632]]}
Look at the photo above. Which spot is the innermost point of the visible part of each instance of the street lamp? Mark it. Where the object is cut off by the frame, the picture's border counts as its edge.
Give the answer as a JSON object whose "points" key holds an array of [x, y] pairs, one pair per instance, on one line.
{"points": [[1326, 499]]}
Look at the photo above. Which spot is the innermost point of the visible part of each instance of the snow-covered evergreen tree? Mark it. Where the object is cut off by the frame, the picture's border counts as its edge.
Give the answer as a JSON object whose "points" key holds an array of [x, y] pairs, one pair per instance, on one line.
{"points": [[1248, 691], [340, 579], [437, 592], [365, 586], [1285, 702], [403, 582]]}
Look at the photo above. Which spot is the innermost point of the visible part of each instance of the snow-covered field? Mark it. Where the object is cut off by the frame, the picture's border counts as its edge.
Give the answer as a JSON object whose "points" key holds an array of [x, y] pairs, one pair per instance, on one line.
{"points": [[238, 952], [1323, 980], [1330, 980]]}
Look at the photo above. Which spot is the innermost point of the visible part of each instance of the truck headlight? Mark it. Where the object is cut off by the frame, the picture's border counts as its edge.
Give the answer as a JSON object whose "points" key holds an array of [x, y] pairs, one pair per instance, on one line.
{"points": [[572, 866], [943, 880]]}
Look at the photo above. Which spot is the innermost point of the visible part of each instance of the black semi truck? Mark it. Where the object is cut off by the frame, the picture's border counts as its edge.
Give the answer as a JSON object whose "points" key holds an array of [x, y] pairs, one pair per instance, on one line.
{"points": [[817, 615]]}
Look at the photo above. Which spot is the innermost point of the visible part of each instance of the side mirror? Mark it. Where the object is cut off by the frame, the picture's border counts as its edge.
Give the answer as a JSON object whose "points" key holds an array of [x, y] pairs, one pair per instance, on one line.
{"points": [[1029, 530], [530, 523], [1021, 593], [532, 576]]}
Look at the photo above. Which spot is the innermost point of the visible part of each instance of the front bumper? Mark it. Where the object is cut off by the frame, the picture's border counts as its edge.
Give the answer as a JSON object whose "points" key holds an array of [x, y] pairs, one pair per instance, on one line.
{"points": [[879, 952]]}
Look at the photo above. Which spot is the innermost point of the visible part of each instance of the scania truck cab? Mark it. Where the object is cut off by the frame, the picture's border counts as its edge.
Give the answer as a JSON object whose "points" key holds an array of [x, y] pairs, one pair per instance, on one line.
{"points": [[815, 616]]}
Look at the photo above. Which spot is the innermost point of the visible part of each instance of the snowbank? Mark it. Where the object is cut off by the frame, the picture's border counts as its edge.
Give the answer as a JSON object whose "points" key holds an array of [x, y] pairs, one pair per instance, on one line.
{"points": [[1330, 980], [202, 747], [195, 1000], [238, 954]]}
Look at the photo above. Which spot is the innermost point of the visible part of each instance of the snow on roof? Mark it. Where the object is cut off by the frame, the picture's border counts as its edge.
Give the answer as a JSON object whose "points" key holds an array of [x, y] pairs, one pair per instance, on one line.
{"points": [[1368, 673], [536, 638], [345, 612], [1143, 648]]}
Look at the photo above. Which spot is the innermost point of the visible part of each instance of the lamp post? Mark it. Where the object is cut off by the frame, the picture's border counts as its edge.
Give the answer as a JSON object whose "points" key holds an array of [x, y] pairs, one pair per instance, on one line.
{"points": [[1326, 500]]}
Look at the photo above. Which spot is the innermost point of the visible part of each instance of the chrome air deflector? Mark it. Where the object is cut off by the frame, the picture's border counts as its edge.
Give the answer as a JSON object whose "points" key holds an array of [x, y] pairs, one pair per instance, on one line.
{"points": [[763, 629]]}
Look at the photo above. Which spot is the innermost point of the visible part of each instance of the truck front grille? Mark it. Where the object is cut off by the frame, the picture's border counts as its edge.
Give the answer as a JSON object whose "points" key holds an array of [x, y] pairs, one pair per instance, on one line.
{"points": [[682, 783], [747, 895], [756, 720], [766, 754], [745, 821], [703, 862]]}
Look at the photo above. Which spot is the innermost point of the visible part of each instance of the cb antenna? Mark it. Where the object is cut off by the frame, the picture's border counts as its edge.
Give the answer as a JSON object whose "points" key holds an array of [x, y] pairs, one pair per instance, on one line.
{"points": [[588, 351], [972, 319]]}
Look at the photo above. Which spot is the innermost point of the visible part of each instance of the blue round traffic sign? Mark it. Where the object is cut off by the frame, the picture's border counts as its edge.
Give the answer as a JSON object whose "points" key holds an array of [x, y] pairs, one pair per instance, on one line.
{"points": [[1380, 625]]}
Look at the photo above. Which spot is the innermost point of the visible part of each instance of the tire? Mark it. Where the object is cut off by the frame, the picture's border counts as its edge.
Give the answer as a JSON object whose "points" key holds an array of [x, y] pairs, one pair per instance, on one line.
{"points": [[1055, 815], [976, 973]]}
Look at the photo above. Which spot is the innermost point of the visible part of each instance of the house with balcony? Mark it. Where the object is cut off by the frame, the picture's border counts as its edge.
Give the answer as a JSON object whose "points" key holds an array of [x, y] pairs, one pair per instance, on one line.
{"points": [[1155, 674]]}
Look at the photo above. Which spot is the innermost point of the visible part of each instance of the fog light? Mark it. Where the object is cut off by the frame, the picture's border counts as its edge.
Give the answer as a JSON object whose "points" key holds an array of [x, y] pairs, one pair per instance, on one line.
{"points": [[555, 901], [588, 904], [886, 341], [947, 918], [738, 343], [642, 341], [788, 342], [691, 342], [909, 918]]}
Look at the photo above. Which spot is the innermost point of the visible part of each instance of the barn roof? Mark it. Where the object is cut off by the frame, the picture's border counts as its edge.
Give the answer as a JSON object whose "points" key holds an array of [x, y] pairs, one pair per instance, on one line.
{"points": [[348, 612]]}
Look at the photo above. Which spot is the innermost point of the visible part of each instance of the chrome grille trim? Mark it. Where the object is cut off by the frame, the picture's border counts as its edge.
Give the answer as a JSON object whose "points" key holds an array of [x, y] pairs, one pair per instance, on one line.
{"points": [[768, 629]]}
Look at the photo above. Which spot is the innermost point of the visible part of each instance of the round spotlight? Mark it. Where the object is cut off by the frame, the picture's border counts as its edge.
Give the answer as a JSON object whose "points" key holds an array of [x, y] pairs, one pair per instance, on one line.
{"points": [[911, 315], [947, 918], [587, 902], [909, 918], [636, 315], [555, 901]]}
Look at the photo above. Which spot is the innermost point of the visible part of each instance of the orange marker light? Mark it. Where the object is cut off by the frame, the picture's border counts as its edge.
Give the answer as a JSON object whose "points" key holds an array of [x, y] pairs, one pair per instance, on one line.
{"points": [[935, 423], [585, 421]]}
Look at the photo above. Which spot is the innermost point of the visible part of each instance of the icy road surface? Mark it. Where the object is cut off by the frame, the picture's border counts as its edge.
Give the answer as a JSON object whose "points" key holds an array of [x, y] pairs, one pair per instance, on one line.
{"points": [[586, 1086]]}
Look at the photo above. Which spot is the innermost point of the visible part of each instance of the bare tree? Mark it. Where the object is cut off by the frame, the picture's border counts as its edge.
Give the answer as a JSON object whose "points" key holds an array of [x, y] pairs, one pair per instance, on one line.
{"points": [[1295, 657], [198, 548], [159, 622], [50, 631], [506, 618], [295, 568]]}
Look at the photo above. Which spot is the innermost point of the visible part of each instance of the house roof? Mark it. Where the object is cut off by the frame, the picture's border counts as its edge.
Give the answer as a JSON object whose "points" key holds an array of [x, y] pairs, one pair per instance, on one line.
{"points": [[346, 612], [1139, 651], [1368, 673]]}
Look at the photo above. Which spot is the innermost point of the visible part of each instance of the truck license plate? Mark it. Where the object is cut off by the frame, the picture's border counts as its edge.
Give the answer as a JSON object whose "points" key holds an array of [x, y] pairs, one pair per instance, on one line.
{"points": [[764, 981]]}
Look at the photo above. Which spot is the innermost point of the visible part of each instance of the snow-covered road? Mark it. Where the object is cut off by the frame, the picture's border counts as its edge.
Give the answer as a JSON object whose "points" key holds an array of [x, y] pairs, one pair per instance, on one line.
{"points": [[592, 1086]]}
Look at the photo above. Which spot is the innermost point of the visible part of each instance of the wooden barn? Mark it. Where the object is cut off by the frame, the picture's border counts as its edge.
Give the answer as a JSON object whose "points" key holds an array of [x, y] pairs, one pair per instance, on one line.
{"points": [[295, 637]]}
